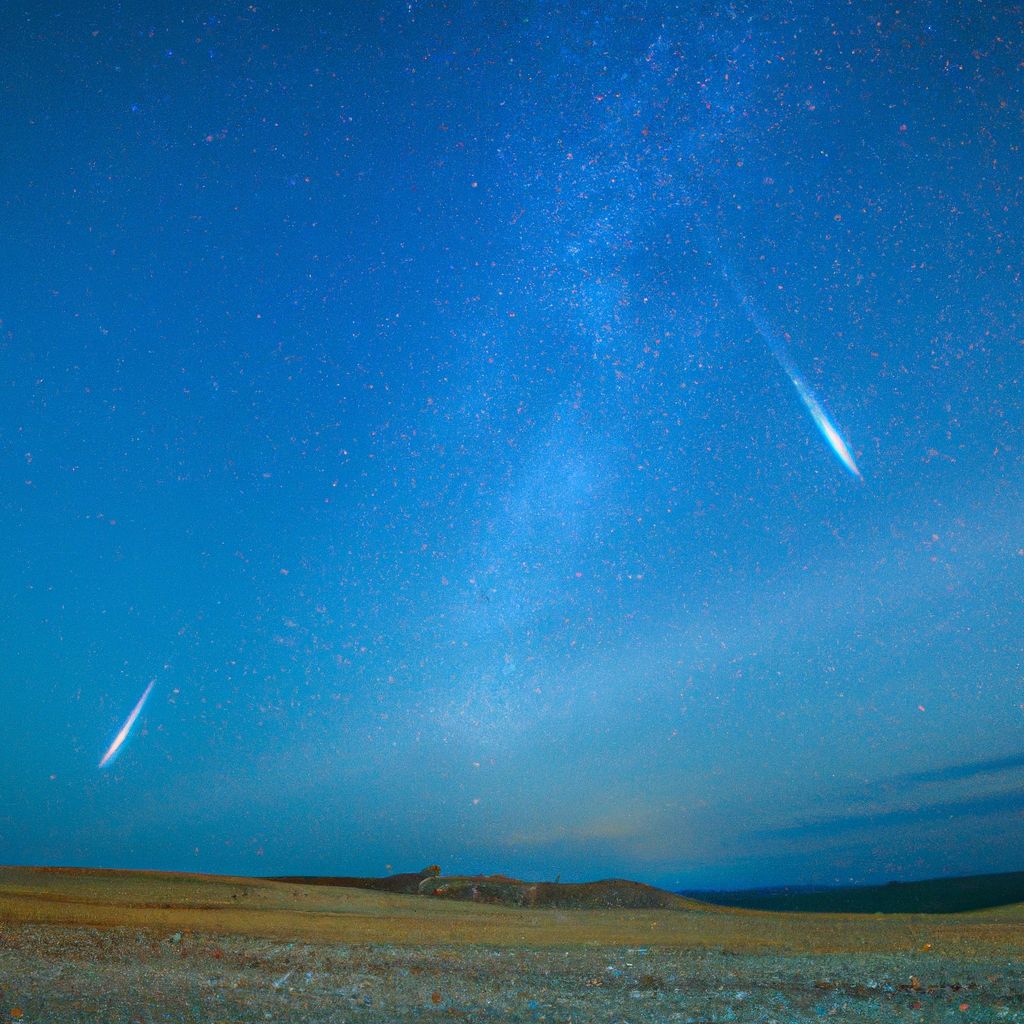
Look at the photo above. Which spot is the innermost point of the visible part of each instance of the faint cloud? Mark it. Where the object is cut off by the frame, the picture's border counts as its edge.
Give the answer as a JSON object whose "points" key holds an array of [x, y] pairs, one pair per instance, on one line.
{"points": [[995, 803], [967, 770], [926, 810]]}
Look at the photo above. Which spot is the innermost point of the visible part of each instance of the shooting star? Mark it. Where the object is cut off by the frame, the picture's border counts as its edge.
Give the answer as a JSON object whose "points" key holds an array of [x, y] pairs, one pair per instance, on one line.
{"points": [[821, 418], [127, 727], [777, 347]]}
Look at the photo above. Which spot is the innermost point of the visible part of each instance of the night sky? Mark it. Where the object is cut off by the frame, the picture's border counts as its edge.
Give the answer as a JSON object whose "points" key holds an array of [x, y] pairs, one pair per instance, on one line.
{"points": [[420, 396]]}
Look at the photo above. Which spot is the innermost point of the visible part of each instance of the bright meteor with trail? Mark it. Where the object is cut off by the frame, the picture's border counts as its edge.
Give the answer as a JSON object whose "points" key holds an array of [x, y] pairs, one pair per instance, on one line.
{"points": [[821, 418], [824, 424], [127, 727]]}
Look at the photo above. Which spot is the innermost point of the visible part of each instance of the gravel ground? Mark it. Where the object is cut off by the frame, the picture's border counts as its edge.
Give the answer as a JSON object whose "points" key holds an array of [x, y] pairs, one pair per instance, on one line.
{"points": [[65, 976]]}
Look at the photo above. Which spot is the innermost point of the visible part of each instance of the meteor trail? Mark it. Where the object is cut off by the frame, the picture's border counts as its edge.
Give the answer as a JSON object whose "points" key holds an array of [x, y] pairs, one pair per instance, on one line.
{"points": [[127, 727], [777, 346], [823, 423], [821, 418]]}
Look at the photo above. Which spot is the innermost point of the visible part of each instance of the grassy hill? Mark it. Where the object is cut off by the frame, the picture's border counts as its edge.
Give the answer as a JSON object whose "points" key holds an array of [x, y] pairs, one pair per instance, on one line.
{"points": [[613, 893]]}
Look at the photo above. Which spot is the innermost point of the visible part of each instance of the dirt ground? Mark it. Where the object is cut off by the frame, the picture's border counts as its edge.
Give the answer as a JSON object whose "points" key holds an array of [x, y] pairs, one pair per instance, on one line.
{"points": [[125, 947]]}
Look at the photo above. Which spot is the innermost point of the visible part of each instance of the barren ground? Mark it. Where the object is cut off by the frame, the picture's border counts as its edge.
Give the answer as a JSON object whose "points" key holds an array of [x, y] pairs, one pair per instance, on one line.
{"points": [[125, 946]]}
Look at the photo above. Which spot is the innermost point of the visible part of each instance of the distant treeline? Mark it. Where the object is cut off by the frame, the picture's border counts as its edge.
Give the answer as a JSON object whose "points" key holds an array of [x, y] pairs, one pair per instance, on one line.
{"points": [[934, 896]]}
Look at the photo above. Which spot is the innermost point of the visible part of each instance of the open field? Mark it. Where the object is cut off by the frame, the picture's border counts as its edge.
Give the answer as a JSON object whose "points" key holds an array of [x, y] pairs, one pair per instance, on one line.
{"points": [[141, 946]]}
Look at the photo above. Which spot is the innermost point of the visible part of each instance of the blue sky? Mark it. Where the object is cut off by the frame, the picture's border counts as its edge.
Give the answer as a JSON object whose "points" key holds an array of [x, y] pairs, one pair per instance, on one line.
{"points": [[410, 394]]}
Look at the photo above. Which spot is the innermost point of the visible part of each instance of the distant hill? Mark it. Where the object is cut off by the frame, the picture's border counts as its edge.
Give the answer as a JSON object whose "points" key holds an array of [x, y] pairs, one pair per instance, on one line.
{"points": [[609, 893], [933, 896], [612, 893]]}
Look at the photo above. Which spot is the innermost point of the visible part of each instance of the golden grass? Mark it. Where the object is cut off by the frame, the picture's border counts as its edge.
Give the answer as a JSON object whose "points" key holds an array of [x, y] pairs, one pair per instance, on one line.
{"points": [[212, 904]]}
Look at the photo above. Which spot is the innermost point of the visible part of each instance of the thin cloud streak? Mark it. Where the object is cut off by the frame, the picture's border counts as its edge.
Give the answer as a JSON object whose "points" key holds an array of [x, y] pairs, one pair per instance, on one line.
{"points": [[968, 770], [946, 809]]}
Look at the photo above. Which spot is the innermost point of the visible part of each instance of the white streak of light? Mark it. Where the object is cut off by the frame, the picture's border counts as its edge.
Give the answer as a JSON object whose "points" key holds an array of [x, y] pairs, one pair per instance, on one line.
{"points": [[778, 349], [824, 424], [127, 727]]}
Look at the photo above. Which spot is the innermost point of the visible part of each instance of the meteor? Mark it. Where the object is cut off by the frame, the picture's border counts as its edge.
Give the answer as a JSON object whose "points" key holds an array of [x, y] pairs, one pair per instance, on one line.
{"points": [[127, 727], [777, 347], [823, 423], [821, 418]]}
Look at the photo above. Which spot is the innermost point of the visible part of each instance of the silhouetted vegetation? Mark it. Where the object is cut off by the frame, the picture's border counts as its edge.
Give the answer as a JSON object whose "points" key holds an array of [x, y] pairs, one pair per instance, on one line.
{"points": [[407, 883]]}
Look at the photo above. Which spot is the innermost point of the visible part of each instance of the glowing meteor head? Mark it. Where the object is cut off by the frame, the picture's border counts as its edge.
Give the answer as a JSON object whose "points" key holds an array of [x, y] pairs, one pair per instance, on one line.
{"points": [[825, 425], [837, 444]]}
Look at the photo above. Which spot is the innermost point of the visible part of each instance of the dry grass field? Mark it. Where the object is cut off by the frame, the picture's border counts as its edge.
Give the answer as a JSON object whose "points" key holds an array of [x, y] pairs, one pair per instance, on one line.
{"points": [[138, 947], [223, 905]]}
